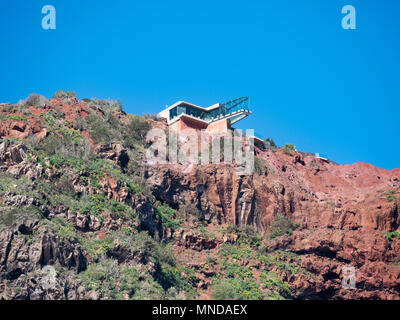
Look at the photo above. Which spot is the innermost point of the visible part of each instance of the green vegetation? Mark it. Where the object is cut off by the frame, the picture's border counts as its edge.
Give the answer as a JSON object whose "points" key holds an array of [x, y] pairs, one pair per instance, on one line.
{"points": [[390, 198], [237, 280], [168, 217], [274, 287], [314, 164], [239, 287], [270, 143], [332, 204], [282, 225], [36, 100], [259, 166], [289, 149], [390, 235], [17, 118], [61, 94], [118, 282], [126, 235], [9, 216], [109, 129], [246, 234]]}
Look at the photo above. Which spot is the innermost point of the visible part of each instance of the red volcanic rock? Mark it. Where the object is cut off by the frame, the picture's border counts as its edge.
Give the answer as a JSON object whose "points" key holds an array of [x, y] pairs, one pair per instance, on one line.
{"points": [[20, 129], [342, 210]]}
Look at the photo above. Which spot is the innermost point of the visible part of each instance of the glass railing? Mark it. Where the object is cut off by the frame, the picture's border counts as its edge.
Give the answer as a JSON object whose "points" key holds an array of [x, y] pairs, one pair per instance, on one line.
{"points": [[226, 108]]}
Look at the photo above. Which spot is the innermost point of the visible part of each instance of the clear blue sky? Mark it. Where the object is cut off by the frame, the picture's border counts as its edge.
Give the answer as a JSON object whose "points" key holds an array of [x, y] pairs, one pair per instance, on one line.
{"points": [[310, 82]]}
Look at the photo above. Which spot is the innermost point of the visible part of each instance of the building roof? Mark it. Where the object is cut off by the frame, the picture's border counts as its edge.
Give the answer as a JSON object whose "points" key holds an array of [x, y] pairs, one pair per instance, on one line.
{"points": [[212, 107], [234, 110]]}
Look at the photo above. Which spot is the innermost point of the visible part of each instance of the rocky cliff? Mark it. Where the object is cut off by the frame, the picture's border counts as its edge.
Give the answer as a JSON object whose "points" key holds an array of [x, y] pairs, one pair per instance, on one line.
{"points": [[78, 198]]}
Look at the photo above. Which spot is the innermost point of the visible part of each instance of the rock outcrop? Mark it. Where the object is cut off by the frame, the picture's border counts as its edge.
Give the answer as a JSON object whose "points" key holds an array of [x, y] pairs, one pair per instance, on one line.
{"points": [[57, 211], [342, 212]]}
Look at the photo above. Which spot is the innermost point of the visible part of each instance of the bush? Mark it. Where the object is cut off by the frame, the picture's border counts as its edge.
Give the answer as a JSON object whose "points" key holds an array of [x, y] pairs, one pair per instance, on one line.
{"points": [[61, 227], [390, 235], [100, 130], [289, 149], [36, 100], [277, 289], [137, 129], [390, 198], [61, 94], [79, 124], [106, 106], [8, 108], [223, 290], [168, 217], [67, 147], [246, 234], [236, 288], [282, 225], [65, 186], [259, 166], [8, 217], [270, 143], [187, 210], [117, 282], [152, 116]]}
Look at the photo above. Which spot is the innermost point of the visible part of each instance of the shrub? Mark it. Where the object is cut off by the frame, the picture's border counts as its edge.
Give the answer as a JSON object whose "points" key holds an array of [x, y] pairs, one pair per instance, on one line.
{"points": [[246, 234], [79, 124], [270, 143], [8, 108], [237, 252], [282, 225], [152, 116], [236, 288], [277, 288], [390, 235], [259, 166], [64, 185], [168, 217], [9, 217], [115, 281], [36, 100], [289, 149], [223, 290], [67, 146], [314, 164], [187, 210], [100, 130], [137, 128], [106, 106], [61, 94], [61, 227]]}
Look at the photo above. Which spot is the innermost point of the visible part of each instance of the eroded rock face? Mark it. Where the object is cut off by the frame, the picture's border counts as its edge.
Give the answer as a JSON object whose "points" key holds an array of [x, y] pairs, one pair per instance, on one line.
{"points": [[21, 129], [113, 152], [11, 154], [342, 212], [25, 249], [17, 255]]}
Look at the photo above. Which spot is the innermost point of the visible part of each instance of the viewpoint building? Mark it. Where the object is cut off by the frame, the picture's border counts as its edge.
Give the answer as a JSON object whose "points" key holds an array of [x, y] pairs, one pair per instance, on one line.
{"points": [[217, 118]]}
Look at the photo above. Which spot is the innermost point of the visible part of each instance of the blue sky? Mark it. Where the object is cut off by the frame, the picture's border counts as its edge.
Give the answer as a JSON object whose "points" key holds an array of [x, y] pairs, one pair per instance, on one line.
{"points": [[310, 82]]}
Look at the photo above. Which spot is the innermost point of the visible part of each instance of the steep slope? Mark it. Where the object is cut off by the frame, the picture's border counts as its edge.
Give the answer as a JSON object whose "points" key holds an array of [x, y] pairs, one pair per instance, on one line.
{"points": [[77, 193]]}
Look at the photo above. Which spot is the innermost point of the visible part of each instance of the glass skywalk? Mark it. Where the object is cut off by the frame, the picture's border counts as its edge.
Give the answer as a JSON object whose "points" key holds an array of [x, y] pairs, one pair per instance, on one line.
{"points": [[233, 110]]}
